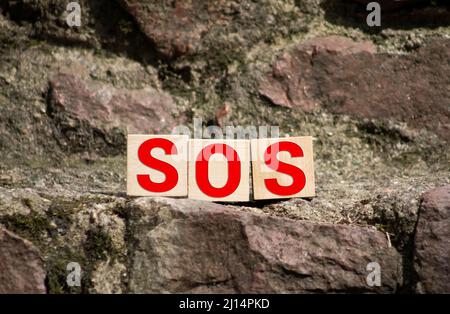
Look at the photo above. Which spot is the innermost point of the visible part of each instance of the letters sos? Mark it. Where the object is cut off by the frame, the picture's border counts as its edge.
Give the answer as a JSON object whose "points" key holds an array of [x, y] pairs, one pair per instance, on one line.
{"points": [[219, 170]]}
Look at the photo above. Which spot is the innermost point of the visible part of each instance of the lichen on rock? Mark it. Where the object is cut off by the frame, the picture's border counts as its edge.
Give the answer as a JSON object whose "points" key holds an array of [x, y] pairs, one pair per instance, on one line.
{"points": [[374, 99]]}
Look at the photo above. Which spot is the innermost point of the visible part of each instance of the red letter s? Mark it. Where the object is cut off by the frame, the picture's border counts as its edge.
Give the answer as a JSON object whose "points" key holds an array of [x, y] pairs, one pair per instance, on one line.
{"points": [[298, 176], [147, 159]]}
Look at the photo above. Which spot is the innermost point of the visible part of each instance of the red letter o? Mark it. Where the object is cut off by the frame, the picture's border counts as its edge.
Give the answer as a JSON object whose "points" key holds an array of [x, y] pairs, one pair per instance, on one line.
{"points": [[202, 172]]}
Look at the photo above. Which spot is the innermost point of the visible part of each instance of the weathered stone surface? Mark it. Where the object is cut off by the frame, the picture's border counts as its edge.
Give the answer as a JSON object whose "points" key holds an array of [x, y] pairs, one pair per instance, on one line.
{"points": [[370, 173], [21, 267], [89, 114], [336, 44], [408, 88], [108, 277], [196, 27], [21, 202], [191, 246], [104, 24], [432, 242], [70, 227], [289, 84]]}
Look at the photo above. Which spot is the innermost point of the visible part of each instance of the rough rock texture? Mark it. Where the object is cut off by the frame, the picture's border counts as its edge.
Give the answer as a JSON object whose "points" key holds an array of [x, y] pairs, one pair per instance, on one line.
{"points": [[21, 266], [192, 246], [353, 81], [336, 45], [432, 242], [290, 86], [104, 25], [200, 26], [87, 113], [63, 169], [82, 228]]}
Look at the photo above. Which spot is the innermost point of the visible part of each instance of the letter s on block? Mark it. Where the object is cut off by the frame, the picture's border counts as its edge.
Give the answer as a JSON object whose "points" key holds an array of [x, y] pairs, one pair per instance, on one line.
{"points": [[298, 176], [144, 154], [285, 175]]}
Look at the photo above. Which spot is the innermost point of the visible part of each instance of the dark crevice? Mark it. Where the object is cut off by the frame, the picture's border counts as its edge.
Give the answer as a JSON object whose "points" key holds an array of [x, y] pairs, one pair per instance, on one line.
{"points": [[350, 13], [410, 275], [105, 25]]}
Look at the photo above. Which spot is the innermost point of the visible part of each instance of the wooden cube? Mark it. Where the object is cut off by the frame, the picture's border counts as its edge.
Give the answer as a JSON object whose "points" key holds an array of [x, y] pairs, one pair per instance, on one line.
{"points": [[219, 170], [282, 167], [157, 165]]}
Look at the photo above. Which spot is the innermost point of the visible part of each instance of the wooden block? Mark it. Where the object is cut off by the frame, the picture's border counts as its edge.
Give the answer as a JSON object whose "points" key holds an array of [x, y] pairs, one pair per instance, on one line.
{"points": [[157, 165], [214, 177], [285, 171]]}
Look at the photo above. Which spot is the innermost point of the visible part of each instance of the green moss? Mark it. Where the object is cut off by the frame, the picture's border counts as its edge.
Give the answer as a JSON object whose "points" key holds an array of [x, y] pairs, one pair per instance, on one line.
{"points": [[125, 27], [33, 226], [28, 202], [61, 211], [98, 245], [57, 271], [40, 229]]}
